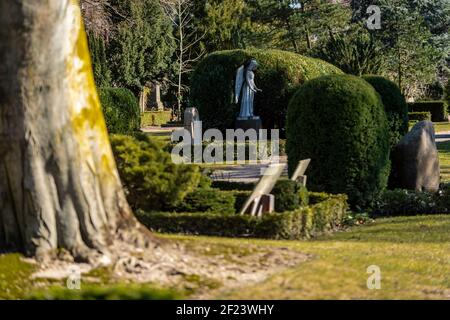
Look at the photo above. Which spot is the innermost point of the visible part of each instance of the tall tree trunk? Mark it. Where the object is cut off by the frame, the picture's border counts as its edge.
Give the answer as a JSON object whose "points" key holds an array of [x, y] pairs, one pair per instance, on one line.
{"points": [[59, 186]]}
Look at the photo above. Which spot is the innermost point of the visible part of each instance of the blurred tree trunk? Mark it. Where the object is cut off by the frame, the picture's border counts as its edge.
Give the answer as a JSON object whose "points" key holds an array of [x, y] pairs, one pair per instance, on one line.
{"points": [[59, 186]]}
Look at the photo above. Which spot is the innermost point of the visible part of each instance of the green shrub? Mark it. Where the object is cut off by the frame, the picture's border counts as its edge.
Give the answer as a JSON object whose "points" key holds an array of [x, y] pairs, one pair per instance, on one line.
{"points": [[394, 104], [302, 223], [121, 110], [279, 74], [419, 116], [118, 292], [152, 181], [289, 195], [438, 109], [407, 203], [155, 118], [240, 197], [339, 122], [231, 185], [208, 200]]}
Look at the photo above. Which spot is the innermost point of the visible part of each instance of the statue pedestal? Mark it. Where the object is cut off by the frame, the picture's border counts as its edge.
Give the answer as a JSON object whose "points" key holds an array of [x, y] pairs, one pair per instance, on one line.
{"points": [[249, 123]]}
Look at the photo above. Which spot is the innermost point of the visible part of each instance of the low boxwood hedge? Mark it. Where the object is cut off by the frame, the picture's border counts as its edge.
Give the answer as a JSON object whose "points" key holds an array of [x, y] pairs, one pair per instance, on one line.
{"points": [[208, 200], [289, 195], [232, 185], [438, 109], [305, 222], [419, 116]]}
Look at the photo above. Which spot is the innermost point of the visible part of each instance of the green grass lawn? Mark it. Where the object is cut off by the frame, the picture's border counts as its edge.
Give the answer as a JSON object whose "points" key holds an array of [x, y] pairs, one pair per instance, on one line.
{"points": [[442, 126], [444, 155], [413, 254]]}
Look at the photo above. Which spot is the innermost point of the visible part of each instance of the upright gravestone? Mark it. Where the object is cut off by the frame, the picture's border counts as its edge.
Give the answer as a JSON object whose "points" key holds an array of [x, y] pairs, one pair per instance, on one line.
{"points": [[416, 160], [191, 116], [261, 201], [299, 174], [155, 97]]}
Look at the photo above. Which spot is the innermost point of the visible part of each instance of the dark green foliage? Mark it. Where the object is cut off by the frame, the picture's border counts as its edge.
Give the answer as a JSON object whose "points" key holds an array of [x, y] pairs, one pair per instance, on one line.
{"points": [[394, 104], [208, 200], [240, 199], [155, 118], [355, 51], [434, 91], [151, 179], [438, 109], [419, 116], [302, 223], [230, 185], [100, 65], [287, 195], [121, 110], [406, 203], [141, 49], [279, 75], [447, 93], [339, 122], [91, 292]]}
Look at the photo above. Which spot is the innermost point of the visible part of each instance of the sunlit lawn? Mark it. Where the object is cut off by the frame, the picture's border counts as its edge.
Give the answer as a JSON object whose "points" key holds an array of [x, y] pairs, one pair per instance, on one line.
{"points": [[442, 126], [413, 254], [444, 155]]}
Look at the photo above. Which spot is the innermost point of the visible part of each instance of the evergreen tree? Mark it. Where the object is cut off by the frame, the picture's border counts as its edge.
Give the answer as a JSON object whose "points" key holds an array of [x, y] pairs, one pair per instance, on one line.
{"points": [[299, 25], [412, 58], [142, 49], [102, 72], [355, 51]]}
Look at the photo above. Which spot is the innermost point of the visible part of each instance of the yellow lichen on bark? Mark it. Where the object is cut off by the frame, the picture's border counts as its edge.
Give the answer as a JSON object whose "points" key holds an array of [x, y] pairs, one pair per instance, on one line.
{"points": [[86, 114]]}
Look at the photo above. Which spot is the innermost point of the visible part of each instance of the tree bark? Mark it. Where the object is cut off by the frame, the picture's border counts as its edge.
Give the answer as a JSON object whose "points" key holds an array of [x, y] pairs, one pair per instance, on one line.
{"points": [[59, 186]]}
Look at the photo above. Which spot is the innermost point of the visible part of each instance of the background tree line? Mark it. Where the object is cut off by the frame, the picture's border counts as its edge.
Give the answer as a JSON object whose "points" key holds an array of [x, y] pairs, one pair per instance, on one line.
{"points": [[134, 42]]}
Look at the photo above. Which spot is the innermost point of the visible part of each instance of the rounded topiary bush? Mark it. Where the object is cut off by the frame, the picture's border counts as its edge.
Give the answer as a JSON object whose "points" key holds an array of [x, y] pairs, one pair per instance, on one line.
{"points": [[121, 110], [394, 104], [279, 74], [339, 122]]}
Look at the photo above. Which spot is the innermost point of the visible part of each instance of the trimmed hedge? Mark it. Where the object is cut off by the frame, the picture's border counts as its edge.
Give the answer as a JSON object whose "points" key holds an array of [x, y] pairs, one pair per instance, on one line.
{"points": [[155, 118], [289, 195], [121, 110], [339, 122], [302, 223], [419, 116], [438, 109], [232, 185], [208, 200], [394, 104], [279, 74]]}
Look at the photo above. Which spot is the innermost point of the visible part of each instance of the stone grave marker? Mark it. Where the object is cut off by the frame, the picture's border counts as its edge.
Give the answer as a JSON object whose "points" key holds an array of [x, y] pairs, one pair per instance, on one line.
{"points": [[299, 174], [261, 201]]}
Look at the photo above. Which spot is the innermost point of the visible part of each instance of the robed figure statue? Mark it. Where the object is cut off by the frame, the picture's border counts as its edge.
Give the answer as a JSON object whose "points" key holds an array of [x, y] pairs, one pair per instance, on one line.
{"points": [[245, 89]]}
